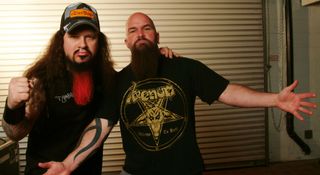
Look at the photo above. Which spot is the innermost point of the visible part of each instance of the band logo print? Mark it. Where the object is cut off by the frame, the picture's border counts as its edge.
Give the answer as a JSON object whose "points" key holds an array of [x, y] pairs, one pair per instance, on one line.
{"points": [[157, 122]]}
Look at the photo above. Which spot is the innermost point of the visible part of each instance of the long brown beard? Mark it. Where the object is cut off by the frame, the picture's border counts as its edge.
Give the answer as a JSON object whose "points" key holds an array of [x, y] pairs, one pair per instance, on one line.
{"points": [[82, 88], [145, 61]]}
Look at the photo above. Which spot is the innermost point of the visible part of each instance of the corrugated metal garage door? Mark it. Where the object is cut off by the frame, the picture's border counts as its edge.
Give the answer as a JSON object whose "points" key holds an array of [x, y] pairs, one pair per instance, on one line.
{"points": [[226, 35]]}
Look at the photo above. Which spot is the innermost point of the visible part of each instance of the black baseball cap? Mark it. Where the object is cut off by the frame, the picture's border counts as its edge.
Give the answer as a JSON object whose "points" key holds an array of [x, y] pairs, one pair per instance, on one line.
{"points": [[77, 14]]}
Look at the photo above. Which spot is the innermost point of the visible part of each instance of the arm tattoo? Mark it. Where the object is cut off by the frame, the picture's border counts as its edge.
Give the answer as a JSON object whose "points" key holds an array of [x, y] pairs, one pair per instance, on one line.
{"points": [[98, 129], [8, 130], [18, 131]]}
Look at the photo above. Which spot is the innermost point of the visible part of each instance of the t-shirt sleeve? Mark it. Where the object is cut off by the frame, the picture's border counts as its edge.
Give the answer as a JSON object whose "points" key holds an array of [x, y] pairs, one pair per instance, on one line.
{"points": [[208, 85], [107, 108]]}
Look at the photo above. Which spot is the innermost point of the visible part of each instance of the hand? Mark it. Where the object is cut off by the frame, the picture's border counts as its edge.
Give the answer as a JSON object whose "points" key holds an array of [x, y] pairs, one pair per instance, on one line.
{"points": [[54, 168], [167, 52], [19, 92], [293, 102]]}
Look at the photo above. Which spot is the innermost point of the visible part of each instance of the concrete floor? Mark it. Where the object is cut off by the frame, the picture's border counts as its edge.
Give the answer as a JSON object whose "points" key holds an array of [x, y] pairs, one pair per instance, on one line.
{"points": [[301, 167]]}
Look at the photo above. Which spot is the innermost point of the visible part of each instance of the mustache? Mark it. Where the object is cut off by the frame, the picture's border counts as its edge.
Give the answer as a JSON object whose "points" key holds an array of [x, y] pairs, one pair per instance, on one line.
{"points": [[142, 39]]}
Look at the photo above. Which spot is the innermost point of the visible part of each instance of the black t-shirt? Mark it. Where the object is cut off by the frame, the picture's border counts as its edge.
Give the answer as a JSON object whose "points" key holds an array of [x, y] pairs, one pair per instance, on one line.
{"points": [[57, 131], [157, 117]]}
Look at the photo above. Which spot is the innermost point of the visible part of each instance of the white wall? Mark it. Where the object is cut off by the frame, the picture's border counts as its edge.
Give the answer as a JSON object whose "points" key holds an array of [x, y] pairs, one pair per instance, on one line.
{"points": [[314, 55], [306, 68]]}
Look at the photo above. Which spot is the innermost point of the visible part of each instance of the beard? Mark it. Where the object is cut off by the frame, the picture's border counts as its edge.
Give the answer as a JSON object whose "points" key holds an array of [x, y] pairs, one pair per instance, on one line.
{"points": [[82, 87], [82, 81], [145, 60], [79, 67]]}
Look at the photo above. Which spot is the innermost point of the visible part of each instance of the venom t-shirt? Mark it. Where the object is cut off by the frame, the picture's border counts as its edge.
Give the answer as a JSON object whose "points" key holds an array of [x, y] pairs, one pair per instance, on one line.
{"points": [[157, 117]]}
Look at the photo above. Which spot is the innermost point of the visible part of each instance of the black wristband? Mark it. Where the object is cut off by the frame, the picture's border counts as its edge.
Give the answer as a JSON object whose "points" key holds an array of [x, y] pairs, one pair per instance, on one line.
{"points": [[14, 116]]}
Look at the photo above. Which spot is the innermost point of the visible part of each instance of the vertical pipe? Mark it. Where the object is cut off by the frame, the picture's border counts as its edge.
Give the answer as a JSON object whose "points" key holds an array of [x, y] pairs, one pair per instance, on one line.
{"points": [[289, 50]]}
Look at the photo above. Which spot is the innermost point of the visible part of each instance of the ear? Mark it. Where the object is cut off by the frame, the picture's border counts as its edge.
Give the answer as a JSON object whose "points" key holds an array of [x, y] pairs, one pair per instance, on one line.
{"points": [[126, 42]]}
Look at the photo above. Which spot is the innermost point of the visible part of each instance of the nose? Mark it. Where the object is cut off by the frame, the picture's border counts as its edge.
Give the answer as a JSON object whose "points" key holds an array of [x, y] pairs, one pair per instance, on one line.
{"points": [[141, 34], [82, 42]]}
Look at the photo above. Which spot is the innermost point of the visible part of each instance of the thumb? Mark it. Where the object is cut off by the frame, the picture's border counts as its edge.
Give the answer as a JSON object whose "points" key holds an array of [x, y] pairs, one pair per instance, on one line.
{"points": [[44, 165], [293, 85]]}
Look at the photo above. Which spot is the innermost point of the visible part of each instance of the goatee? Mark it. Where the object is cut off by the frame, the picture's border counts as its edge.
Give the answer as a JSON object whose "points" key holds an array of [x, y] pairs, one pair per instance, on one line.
{"points": [[145, 61], [79, 67], [82, 87], [82, 81]]}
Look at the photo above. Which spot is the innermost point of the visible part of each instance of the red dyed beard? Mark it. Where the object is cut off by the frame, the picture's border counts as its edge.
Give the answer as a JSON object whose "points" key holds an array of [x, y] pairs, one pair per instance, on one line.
{"points": [[82, 88]]}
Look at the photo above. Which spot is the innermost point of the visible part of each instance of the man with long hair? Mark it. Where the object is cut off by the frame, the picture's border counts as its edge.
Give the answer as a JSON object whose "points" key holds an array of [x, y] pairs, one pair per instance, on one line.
{"points": [[156, 98], [56, 98]]}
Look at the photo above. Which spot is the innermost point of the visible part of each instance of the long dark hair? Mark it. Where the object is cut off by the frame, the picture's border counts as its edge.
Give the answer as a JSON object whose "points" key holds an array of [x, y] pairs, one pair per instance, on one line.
{"points": [[51, 67]]}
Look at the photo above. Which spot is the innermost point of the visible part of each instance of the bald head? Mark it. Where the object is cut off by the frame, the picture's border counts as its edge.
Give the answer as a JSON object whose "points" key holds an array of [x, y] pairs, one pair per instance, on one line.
{"points": [[139, 28], [139, 17]]}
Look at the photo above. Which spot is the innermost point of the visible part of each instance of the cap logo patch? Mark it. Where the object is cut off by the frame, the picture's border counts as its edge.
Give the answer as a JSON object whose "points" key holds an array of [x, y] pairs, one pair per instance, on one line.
{"points": [[81, 13]]}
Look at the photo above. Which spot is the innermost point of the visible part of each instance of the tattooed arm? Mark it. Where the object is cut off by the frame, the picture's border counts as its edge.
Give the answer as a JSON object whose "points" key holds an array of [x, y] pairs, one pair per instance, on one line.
{"points": [[17, 119], [92, 138], [18, 131]]}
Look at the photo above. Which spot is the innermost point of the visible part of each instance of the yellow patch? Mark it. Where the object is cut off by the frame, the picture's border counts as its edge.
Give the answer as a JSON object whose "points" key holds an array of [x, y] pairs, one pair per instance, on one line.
{"points": [[81, 13]]}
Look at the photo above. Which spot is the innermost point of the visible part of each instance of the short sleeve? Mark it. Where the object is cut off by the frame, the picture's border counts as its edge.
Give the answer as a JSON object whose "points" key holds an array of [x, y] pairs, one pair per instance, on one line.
{"points": [[208, 85]]}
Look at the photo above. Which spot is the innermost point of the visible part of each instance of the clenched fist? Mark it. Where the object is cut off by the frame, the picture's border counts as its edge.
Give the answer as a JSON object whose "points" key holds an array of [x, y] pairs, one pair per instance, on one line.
{"points": [[19, 92]]}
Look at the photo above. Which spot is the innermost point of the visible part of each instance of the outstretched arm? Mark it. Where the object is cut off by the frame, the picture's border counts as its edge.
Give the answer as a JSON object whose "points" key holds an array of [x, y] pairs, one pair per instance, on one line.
{"points": [[286, 100], [92, 138]]}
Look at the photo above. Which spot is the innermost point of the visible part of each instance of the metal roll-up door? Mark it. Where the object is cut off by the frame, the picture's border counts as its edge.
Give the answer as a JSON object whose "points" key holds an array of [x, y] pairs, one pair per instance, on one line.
{"points": [[226, 35]]}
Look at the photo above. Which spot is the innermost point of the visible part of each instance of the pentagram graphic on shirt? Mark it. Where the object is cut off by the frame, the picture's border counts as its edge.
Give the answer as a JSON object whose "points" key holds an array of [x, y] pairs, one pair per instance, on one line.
{"points": [[149, 111]]}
